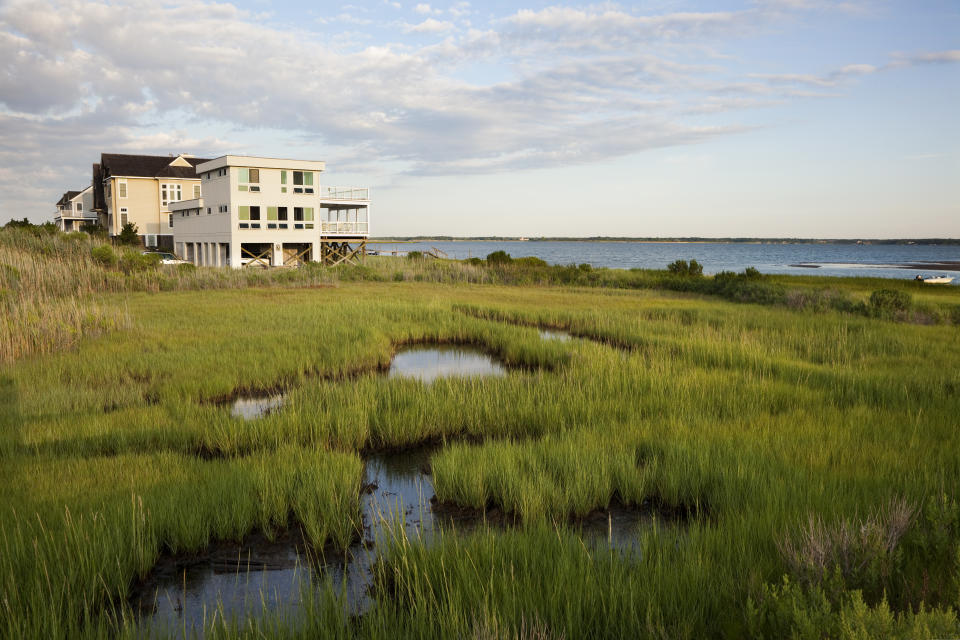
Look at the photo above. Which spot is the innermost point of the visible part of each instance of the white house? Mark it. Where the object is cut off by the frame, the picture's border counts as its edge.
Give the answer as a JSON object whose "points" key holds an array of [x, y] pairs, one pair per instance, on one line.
{"points": [[267, 212], [75, 209]]}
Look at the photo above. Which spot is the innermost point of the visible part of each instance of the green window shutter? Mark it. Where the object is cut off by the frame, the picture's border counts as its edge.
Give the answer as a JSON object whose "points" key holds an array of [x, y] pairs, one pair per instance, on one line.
{"points": [[244, 212], [244, 175], [271, 213], [308, 213], [283, 177], [308, 178]]}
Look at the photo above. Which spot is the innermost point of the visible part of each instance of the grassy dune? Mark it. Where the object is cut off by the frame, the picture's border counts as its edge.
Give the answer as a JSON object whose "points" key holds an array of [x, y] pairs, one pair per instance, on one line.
{"points": [[815, 453]]}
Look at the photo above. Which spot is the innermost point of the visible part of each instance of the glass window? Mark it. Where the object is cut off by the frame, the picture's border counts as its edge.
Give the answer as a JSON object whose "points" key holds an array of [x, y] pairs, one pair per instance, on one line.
{"points": [[244, 213], [122, 188], [196, 191], [271, 213], [308, 214], [170, 193], [254, 213], [298, 214], [281, 213]]}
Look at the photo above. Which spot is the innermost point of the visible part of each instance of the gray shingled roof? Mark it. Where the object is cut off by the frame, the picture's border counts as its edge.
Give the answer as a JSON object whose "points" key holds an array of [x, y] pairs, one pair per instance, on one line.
{"points": [[118, 164], [67, 197]]}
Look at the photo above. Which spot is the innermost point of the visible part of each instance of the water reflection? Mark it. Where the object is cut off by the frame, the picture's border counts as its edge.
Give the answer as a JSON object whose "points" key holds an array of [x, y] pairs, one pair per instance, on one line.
{"points": [[429, 363]]}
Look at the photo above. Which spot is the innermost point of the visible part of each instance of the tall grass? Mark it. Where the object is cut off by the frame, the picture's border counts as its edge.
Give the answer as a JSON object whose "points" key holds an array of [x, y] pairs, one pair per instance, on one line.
{"points": [[758, 418]]}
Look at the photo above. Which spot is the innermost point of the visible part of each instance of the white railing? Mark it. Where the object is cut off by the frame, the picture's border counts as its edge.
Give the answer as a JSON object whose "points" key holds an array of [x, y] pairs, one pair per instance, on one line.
{"points": [[345, 227], [344, 193]]}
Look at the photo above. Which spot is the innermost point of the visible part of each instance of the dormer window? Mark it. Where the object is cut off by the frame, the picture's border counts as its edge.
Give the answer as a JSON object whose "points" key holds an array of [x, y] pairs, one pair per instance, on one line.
{"points": [[249, 180]]}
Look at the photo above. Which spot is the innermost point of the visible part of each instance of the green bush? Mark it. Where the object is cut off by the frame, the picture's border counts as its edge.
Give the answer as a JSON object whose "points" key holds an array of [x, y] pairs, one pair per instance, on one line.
{"points": [[132, 261], [104, 255], [531, 261], [499, 257], [684, 268], [477, 262], [415, 255], [890, 302], [129, 234], [752, 273], [398, 276], [186, 267]]}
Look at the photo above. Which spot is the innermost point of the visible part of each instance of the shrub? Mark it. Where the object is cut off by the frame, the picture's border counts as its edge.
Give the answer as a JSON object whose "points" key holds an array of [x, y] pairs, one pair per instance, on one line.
{"points": [[104, 255], [862, 551], [585, 267], [531, 261], [684, 268], [186, 267], [752, 273], [398, 276], [129, 234], [889, 302], [131, 261], [93, 228], [415, 255], [499, 257], [478, 262]]}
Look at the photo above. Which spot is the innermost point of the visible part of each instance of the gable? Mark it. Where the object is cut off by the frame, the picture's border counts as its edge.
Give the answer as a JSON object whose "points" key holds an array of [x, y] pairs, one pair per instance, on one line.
{"points": [[180, 161]]}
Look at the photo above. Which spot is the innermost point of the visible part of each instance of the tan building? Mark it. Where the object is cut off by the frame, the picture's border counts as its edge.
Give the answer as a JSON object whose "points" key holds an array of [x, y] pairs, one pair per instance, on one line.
{"points": [[139, 189]]}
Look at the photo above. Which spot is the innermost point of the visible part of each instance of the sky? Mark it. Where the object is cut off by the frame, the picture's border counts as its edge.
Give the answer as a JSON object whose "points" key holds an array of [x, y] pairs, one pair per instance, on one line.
{"points": [[764, 118]]}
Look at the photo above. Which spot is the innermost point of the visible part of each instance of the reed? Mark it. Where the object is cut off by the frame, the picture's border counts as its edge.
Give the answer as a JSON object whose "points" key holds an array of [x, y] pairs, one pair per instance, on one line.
{"points": [[748, 421]]}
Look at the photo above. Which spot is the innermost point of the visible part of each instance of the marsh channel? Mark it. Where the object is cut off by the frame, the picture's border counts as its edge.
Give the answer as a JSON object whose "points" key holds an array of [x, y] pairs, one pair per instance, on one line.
{"points": [[258, 575]]}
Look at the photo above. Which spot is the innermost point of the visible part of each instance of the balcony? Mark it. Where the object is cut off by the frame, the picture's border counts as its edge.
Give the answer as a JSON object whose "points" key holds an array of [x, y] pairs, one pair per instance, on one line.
{"points": [[344, 193], [345, 228]]}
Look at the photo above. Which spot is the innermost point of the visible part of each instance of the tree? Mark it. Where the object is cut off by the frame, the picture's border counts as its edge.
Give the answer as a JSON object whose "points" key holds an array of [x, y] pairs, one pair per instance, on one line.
{"points": [[129, 234], [93, 228]]}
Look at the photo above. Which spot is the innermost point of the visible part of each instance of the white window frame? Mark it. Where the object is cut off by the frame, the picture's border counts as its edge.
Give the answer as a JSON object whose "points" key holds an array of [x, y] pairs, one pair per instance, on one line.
{"points": [[123, 217], [167, 190], [196, 191], [122, 189]]}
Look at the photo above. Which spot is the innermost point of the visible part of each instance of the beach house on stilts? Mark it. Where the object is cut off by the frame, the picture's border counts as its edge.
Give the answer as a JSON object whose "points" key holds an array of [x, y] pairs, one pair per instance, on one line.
{"points": [[267, 212]]}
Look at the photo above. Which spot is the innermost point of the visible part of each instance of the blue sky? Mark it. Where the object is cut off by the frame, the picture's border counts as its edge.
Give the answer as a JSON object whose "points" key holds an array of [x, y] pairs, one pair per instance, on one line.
{"points": [[800, 118]]}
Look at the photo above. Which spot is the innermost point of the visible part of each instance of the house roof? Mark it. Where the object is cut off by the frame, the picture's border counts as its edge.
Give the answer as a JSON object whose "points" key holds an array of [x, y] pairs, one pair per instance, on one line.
{"points": [[119, 164], [67, 197]]}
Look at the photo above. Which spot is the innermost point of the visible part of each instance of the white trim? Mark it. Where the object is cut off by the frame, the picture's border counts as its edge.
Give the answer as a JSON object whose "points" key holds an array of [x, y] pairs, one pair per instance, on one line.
{"points": [[258, 162]]}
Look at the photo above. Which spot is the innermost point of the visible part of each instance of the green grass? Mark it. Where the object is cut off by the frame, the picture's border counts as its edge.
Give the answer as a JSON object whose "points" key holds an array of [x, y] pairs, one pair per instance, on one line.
{"points": [[115, 449]]}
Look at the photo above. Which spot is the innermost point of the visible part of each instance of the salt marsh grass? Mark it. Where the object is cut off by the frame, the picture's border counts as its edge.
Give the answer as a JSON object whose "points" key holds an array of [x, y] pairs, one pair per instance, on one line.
{"points": [[748, 420]]}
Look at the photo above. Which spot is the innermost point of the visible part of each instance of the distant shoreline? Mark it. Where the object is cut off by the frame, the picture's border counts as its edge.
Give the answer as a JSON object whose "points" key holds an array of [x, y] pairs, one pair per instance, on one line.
{"points": [[691, 240]]}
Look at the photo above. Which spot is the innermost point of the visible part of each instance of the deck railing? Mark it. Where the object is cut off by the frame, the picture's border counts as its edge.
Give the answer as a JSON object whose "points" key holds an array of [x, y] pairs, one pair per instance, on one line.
{"points": [[344, 193], [361, 228]]}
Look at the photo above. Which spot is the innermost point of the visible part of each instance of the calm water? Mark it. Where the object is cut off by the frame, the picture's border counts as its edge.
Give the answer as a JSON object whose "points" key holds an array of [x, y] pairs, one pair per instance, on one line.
{"points": [[429, 363], [255, 576], [828, 259]]}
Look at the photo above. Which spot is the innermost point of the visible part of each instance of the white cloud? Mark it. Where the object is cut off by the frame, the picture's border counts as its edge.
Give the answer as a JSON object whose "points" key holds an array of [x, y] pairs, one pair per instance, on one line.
{"points": [[430, 25], [82, 78]]}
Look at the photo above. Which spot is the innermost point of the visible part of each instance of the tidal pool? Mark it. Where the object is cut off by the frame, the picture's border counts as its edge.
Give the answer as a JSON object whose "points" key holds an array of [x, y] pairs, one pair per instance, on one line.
{"points": [[257, 575], [427, 363], [252, 407], [551, 334]]}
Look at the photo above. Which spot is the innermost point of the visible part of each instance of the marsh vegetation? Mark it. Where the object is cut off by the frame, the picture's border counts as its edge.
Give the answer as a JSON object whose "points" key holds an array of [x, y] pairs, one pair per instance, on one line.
{"points": [[790, 469]]}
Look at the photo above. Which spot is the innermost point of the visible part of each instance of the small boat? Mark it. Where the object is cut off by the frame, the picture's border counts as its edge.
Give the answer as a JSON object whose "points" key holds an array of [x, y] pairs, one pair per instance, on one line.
{"points": [[935, 280]]}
